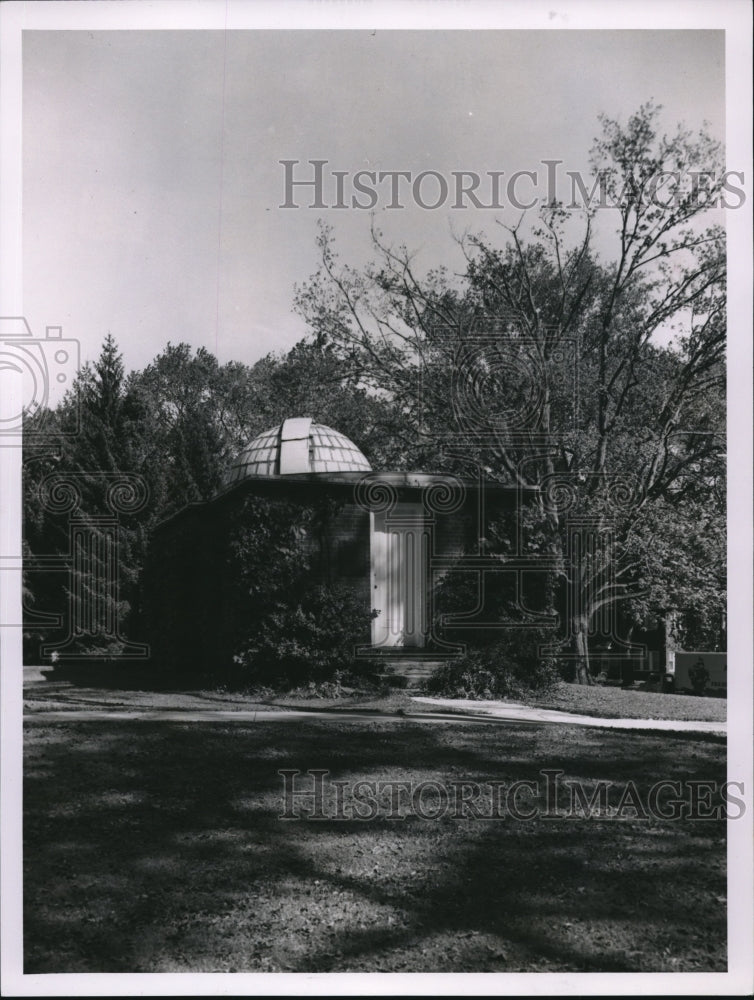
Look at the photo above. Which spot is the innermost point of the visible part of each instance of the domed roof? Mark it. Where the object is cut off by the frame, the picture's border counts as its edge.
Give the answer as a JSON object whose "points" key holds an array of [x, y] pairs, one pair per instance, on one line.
{"points": [[297, 446]]}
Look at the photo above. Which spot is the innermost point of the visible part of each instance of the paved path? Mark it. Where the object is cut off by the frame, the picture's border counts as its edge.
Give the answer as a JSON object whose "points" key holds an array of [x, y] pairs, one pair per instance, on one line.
{"points": [[513, 712], [461, 712]]}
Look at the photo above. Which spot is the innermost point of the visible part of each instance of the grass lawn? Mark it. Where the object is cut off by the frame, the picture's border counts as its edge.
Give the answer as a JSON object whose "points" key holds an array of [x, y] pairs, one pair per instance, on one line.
{"points": [[615, 703], [50, 696], [159, 847], [607, 702]]}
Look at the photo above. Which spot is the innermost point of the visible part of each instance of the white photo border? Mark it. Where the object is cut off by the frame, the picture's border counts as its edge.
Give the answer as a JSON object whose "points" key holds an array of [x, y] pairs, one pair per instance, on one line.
{"points": [[735, 17]]}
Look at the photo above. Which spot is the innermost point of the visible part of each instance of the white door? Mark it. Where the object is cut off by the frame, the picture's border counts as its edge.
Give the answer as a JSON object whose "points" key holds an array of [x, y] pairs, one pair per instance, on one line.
{"points": [[399, 572]]}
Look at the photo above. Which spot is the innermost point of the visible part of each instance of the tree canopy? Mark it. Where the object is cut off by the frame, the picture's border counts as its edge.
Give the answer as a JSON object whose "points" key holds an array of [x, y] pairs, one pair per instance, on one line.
{"points": [[594, 382]]}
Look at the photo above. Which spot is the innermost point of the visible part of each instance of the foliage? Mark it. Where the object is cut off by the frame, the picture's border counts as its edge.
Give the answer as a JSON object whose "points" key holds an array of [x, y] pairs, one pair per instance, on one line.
{"points": [[243, 596], [314, 380], [89, 442], [310, 640], [459, 593], [595, 386], [682, 547], [599, 391], [507, 668], [172, 429]]}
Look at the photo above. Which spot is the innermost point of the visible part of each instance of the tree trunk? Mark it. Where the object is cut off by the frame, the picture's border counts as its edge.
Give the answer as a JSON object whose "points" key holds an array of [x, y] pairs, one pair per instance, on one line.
{"points": [[580, 627]]}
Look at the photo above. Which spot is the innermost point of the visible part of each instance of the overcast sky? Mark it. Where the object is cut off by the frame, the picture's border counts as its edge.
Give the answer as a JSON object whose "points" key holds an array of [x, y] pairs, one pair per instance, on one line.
{"points": [[152, 181]]}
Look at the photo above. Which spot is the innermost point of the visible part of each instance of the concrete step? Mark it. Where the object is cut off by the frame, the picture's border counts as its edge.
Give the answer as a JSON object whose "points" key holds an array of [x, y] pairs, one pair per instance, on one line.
{"points": [[415, 671]]}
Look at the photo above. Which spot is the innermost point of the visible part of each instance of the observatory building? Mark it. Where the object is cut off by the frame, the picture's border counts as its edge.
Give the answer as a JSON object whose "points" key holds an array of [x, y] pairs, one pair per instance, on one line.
{"points": [[390, 537]]}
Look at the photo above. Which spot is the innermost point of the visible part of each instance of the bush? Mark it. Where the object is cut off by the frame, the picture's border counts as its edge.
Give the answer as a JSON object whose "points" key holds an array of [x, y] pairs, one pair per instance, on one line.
{"points": [[308, 642], [506, 669], [323, 689]]}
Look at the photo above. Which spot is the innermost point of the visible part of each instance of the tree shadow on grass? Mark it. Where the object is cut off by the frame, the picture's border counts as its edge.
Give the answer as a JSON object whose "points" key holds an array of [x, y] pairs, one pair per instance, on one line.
{"points": [[160, 847]]}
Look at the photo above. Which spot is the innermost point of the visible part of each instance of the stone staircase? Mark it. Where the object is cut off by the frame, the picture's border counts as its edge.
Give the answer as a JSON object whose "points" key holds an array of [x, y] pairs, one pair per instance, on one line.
{"points": [[416, 670]]}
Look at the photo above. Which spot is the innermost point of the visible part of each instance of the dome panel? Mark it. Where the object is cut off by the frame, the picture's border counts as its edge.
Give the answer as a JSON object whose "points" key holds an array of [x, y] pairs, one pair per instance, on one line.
{"points": [[305, 446]]}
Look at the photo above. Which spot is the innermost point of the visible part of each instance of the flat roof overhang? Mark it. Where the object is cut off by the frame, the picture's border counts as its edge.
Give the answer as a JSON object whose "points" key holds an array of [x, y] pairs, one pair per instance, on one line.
{"points": [[345, 486]]}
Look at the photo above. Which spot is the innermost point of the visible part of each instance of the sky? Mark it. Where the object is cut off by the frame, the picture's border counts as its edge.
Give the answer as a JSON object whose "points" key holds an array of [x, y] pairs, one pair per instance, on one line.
{"points": [[152, 181]]}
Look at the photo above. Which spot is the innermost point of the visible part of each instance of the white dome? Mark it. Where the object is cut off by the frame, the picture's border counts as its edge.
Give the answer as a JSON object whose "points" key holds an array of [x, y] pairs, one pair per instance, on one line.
{"points": [[295, 447]]}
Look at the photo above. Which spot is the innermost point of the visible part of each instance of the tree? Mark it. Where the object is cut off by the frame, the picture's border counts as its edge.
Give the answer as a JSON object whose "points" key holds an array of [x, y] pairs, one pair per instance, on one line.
{"points": [[85, 503], [168, 433], [487, 358], [315, 380], [195, 419]]}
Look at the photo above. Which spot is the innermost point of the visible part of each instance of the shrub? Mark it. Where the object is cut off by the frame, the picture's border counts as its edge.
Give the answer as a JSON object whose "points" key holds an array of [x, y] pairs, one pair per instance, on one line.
{"points": [[507, 668], [459, 591], [322, 689], [307, 642]]}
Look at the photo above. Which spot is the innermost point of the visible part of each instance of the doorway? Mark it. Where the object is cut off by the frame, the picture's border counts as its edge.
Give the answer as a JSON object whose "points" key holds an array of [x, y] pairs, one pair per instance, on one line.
{"points": [[399, 558]]}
